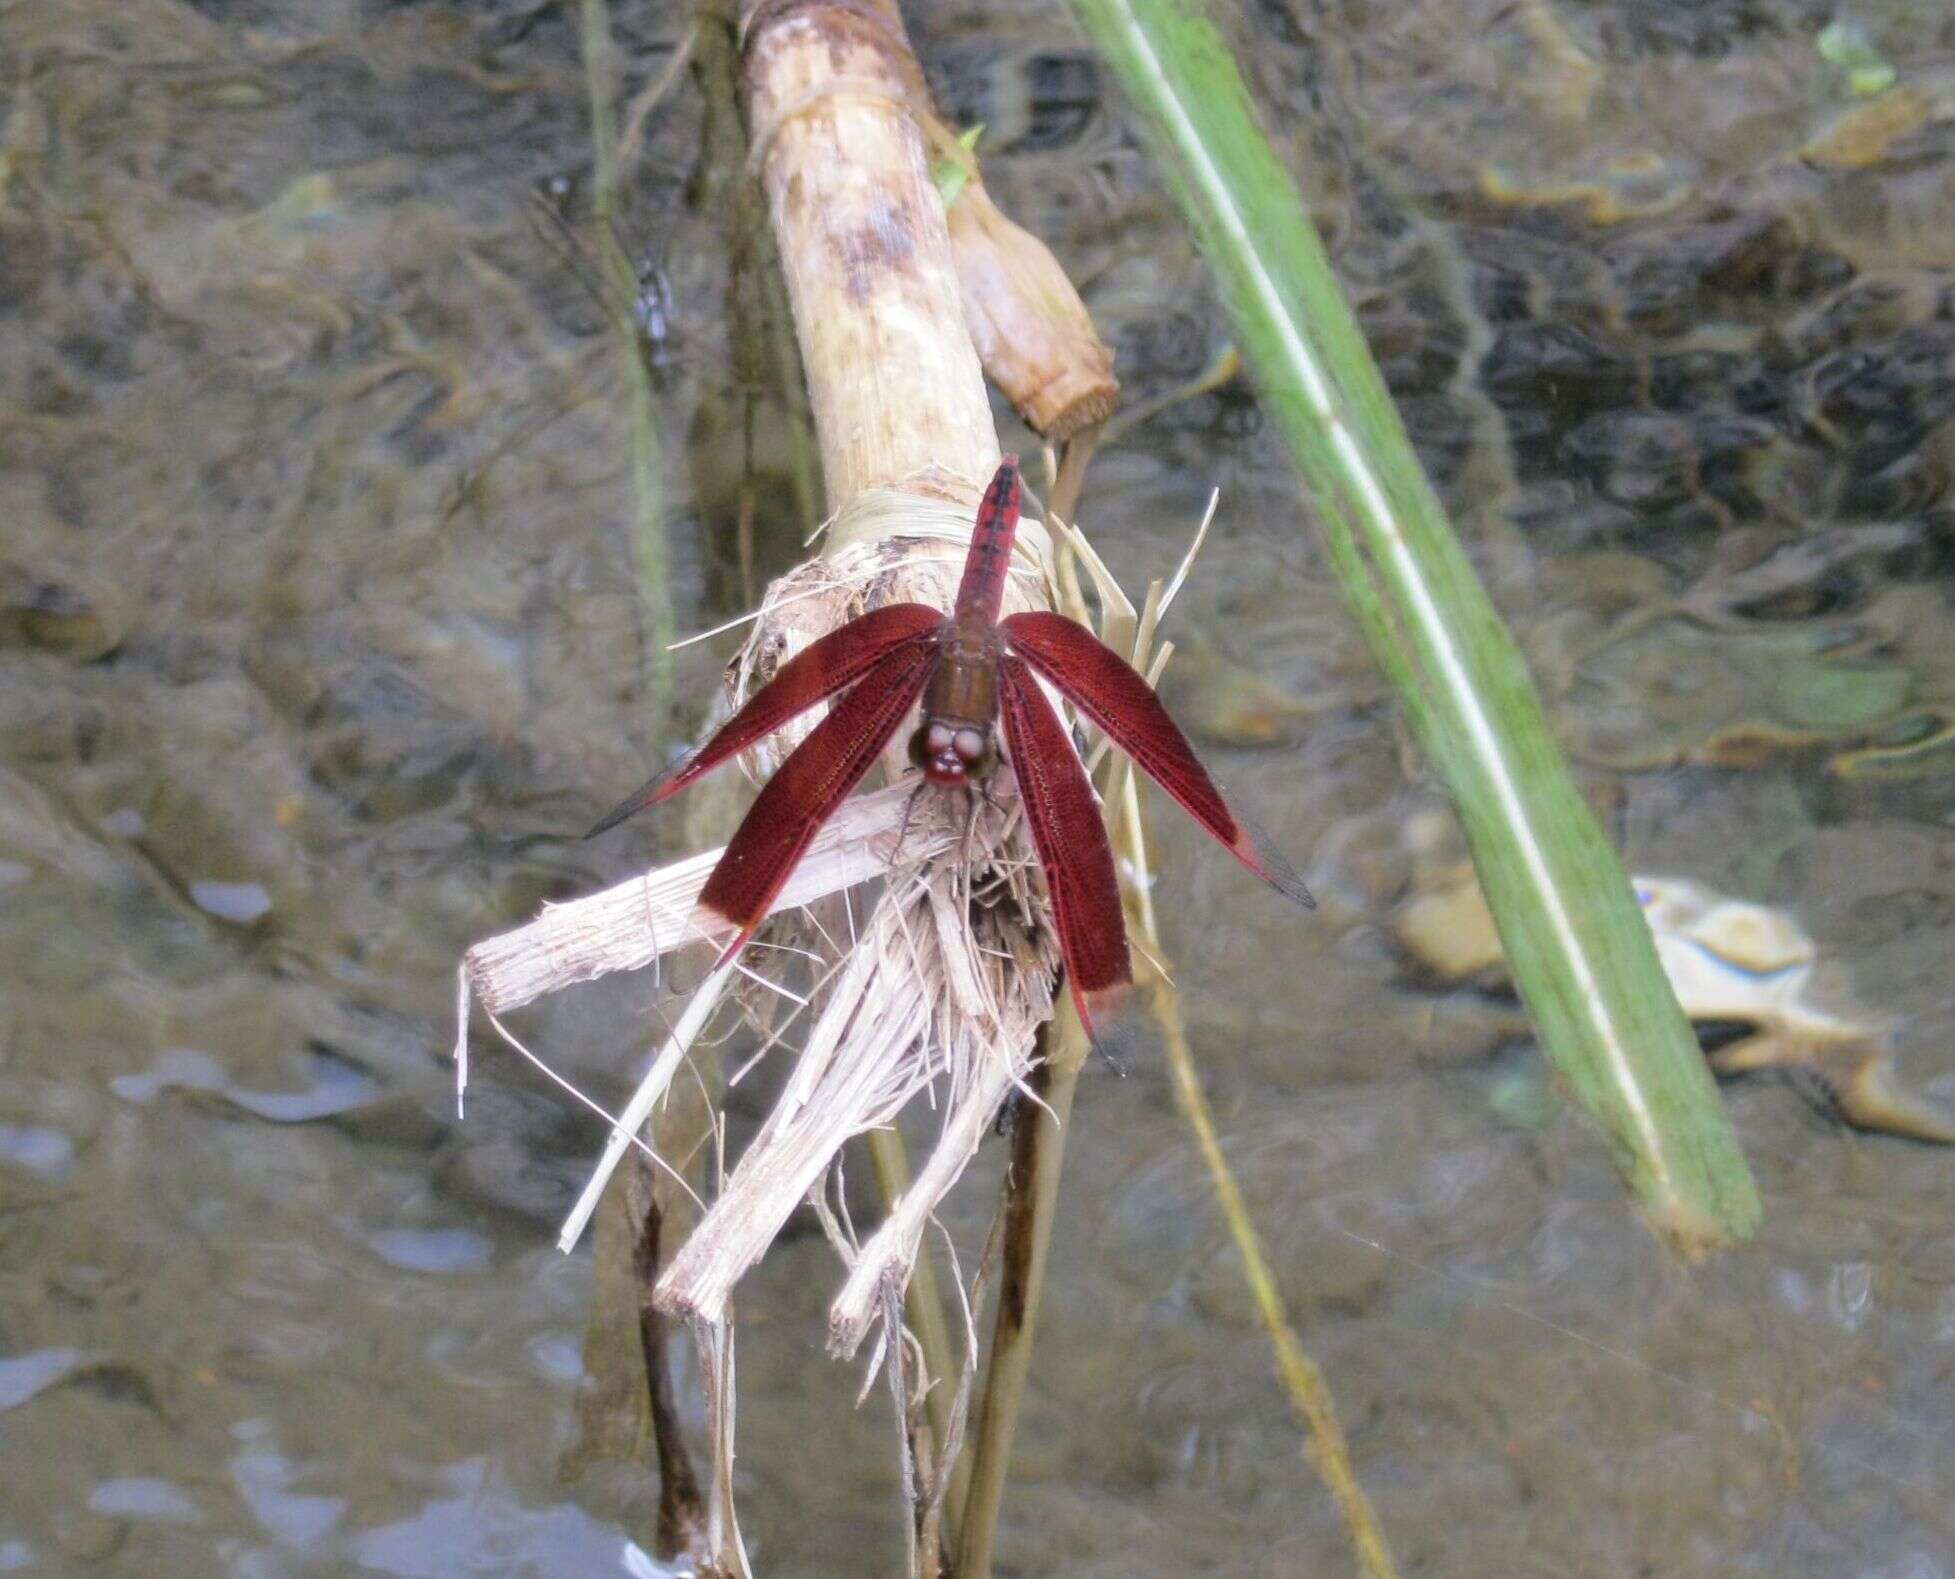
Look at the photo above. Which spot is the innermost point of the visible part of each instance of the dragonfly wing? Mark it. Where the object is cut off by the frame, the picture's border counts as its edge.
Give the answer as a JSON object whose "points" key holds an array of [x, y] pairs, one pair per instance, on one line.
{"points": [[1072, 844], [1103, 686], [812, 675], [806, 789]]}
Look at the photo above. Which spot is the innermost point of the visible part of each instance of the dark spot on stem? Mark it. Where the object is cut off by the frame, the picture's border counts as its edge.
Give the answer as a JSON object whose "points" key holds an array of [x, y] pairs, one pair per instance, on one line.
{"points": [[882, 245]]}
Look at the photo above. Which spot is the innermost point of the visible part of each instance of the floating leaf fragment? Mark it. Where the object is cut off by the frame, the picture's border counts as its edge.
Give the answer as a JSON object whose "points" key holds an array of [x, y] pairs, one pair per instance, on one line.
{"points": [[1732, 963], [1865, 134], [1846, 45]]}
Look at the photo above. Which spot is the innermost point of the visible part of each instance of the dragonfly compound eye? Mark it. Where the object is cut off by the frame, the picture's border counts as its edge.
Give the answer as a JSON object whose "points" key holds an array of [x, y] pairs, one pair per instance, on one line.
{"points": [[970, 744]]}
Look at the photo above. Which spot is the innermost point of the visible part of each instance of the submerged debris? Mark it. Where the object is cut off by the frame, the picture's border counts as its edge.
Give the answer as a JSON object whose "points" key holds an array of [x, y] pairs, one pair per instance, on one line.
{"points": [[1745, 970]]}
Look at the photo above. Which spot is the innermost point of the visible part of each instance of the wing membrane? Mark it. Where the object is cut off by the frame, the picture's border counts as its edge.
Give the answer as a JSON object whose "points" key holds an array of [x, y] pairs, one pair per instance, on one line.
{"points": [[812, 675], [806, 789], [1103, 686], [1072, 844]]}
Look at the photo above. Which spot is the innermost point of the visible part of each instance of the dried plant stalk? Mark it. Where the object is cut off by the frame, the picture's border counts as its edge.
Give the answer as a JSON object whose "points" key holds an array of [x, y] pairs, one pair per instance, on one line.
{"points": [[1033, 333], [628, 926], [945, 983], [893, 379], [925, 995]]}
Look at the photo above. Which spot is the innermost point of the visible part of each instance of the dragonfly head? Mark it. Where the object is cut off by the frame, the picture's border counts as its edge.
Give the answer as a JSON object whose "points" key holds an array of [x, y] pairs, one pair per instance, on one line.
{"points": [[952, 753]]}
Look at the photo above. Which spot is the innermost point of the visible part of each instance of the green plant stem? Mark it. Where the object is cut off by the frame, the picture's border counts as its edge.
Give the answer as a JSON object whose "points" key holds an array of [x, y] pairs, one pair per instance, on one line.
{"points": [[648, 523], [758, 310], [1581, 953]]}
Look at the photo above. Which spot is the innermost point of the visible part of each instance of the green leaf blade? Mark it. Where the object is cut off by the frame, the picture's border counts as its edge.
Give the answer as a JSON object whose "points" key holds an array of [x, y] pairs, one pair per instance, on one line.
{"points": [[1574, 935]]}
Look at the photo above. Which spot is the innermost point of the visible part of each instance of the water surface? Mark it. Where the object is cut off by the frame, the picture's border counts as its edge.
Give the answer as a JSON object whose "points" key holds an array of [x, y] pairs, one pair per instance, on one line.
{"points": [[321, 639]]}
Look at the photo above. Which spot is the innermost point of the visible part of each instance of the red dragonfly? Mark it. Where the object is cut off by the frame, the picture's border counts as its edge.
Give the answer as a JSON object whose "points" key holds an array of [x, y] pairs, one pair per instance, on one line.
{"points": [[969, 667]]}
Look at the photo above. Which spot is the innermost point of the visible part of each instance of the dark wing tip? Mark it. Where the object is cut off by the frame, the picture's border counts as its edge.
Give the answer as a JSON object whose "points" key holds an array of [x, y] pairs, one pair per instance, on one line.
{"points": [[1099, 1007], [610, 819], [648, 794], [1098, 1010], [1257, 851], [1290, 886]]}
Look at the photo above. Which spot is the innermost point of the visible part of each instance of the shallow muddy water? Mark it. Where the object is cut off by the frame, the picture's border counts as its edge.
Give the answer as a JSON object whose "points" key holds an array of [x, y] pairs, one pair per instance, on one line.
{"points": [[322, 639]]}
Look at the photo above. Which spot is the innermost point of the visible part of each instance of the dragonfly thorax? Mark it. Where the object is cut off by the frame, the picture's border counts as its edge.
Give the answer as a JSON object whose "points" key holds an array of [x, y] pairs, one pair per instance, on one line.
{"points": [[951, 752]]}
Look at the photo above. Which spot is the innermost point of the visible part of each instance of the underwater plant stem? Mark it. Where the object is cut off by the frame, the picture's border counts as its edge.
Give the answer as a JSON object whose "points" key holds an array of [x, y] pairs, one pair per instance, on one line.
{"points": [[1302, 1380], [681, 1508], [757, 305], [1582, 956], [641, 417], [1038, 1153]]}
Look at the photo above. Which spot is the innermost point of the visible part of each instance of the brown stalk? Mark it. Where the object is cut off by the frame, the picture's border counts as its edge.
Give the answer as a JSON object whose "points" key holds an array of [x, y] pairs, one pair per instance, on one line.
{"points": [[1032, 331], [1031, 1200], [895, 385], [840, 134], [681, 1509]]}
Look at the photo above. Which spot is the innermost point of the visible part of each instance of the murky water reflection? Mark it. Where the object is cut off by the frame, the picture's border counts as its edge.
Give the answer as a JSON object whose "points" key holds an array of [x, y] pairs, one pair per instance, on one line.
{"points": [[319, 642]]}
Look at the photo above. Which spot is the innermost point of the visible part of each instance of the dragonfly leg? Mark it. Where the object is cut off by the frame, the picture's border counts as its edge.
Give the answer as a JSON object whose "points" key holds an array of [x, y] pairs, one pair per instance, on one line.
{"points": [[903, 828]]}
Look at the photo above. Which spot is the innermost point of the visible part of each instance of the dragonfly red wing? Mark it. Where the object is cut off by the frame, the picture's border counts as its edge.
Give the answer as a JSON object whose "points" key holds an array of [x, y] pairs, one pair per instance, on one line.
{"points": [[1103, 686], [1072, 844], [812, 675], [806, 789]]}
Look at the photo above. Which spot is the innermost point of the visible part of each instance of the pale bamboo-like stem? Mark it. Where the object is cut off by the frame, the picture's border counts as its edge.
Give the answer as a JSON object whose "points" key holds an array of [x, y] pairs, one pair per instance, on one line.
{"points": [[893, 379], [895, 383]]}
